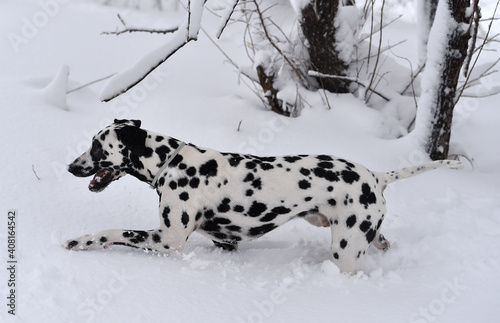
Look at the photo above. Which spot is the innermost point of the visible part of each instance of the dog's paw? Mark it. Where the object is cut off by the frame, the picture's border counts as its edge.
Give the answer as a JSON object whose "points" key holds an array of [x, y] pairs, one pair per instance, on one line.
{"points": [[81, 243]]}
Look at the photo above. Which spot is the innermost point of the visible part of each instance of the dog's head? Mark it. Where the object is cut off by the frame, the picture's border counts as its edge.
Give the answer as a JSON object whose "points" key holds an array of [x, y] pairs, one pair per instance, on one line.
{"points": [[115, 151]]}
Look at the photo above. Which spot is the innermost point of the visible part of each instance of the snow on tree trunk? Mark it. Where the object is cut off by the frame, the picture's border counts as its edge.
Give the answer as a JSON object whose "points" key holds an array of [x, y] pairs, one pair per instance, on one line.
{"points": [[426, 13], [446, 52], [320, 29]]}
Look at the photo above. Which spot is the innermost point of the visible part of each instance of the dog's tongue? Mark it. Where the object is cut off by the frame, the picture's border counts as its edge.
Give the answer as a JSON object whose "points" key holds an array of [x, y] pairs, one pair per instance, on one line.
{"points": [[98, 177]]}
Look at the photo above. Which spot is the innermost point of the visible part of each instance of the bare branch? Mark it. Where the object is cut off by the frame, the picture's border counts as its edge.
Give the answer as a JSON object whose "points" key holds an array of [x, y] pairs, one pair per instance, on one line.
{"points": [[379, 48], [143, 30], [90, 83], [351, 79], [226, 16]]}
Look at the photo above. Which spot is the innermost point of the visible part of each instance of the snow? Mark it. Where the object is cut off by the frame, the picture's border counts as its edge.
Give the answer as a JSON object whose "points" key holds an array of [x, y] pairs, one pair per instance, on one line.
{"points": [[346, 22], [444, 226]]}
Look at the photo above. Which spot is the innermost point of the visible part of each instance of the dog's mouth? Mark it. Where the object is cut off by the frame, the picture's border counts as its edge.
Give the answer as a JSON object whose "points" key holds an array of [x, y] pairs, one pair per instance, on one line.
{"points": [[101, 180]]}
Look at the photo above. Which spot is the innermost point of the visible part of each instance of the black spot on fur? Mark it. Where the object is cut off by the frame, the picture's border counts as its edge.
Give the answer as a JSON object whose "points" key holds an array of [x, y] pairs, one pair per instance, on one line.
{"points": [[162, 152], [305, 172], [257, 184], [343, 244], [209, 214], [177, 159], [156, 238], [249, 193], [238, 208], [183, 182], [349, 176], [332, 202], [281, 210], [351, 221], [194, 182], [331, 176], [173, 143], [209, 168], [233, 228], [269, 217], [72, 244], [303, 184], [365, 225], [224, 206], [336, 255], [292, 159], [210, 226], [250, 165], [263, 229], [185, 219], [191, 171], [324, 157], [324, 164], [370, 235], [266, 166], [221, 220], [184, 196], [368, 197], [164, 215], [235, 160], [256, 209]]}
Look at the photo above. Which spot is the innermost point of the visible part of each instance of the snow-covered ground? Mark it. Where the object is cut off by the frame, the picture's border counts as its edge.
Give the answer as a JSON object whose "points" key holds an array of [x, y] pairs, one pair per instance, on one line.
{"points": [[444, 263]]}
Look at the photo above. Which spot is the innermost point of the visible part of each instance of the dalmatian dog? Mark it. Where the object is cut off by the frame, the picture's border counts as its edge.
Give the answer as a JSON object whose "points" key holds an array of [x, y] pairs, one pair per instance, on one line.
{"points": [[232, 198]]}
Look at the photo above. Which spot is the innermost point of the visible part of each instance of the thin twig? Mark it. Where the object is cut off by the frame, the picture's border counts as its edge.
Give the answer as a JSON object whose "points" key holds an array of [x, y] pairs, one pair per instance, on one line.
{"points": [[361, 83], [413, 77], [379, 48], [34, 172], [142, 30], [90, 83]]}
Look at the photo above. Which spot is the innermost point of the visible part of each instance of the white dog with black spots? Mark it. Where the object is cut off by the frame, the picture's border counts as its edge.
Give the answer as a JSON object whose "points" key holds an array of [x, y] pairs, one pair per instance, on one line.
{"points": [[232, 198]]}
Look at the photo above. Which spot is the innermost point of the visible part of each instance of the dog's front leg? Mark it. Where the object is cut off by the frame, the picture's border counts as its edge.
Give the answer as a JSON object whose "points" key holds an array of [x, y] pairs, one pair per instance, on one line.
{"points": [[177, 223], [147, 240]]}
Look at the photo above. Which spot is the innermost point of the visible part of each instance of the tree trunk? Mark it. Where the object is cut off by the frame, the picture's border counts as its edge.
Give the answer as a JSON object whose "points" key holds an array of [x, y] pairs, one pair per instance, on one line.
{"points": [[455, 52], [318, 27], [271, 94]]}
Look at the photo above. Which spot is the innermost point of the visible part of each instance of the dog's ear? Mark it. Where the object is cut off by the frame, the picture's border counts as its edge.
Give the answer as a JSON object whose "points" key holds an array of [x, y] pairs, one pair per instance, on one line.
{"points": [[133, 138], [136, 123]]}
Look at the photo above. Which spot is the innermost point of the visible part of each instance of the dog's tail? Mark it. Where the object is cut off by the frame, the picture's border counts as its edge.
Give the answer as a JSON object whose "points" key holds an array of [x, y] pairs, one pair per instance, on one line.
{"points": [[390, 177]]}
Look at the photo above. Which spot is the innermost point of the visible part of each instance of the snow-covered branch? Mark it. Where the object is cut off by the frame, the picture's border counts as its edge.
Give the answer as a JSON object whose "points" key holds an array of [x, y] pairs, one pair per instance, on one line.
{"points": [[125, 80]]}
